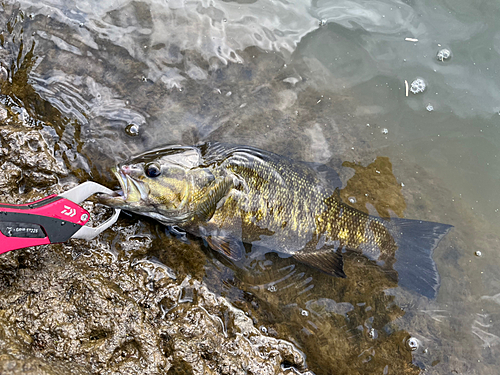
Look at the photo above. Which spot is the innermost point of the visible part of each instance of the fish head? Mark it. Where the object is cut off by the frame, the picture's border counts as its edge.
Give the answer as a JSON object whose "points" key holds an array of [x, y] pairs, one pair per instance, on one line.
{"points": [[160, 184]]}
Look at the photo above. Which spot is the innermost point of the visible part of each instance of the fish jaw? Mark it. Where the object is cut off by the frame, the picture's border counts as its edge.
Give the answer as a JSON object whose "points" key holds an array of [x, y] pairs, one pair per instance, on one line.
{"points": [[132, 195]]}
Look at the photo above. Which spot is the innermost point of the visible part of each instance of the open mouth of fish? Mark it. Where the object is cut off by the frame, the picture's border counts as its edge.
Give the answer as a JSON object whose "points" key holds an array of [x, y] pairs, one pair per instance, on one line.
{"points": [[131, 190]]}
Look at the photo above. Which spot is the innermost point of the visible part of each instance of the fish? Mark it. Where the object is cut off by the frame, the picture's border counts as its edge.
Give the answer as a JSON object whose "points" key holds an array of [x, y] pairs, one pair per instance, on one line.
{"points": [[232, 195]]}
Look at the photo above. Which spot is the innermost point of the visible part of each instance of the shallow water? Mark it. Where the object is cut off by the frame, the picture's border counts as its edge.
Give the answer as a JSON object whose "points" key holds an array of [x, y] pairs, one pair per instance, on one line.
{"points": [[322, 82]]}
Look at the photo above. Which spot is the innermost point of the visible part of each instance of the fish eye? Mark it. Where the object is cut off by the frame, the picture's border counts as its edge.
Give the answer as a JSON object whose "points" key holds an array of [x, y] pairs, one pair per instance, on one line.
{"points": [[152, 170]]}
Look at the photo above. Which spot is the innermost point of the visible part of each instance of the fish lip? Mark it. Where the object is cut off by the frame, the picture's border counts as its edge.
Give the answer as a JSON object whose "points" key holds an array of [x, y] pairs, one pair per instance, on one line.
{"points": [[128, 184], [122, 180], [117, 197], [133, 195], [137, 185]]}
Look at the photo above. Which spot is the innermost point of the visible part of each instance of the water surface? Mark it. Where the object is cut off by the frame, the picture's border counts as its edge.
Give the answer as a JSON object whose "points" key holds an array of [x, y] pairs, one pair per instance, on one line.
{"points": [[319, 81]]}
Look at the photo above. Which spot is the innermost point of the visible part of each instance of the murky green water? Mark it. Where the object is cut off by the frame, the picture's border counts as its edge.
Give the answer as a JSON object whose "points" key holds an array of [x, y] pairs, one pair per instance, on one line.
{"points": [[323, 82]]}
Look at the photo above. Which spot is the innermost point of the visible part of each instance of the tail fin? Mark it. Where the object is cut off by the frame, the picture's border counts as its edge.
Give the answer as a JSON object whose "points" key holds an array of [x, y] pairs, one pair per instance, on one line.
{"points": [[416, 242]]}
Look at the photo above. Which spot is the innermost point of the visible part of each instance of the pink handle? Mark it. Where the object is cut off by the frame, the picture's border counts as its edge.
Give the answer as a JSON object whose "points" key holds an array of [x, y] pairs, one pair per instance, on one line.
{"points": [[10, 243], [51, 206]]}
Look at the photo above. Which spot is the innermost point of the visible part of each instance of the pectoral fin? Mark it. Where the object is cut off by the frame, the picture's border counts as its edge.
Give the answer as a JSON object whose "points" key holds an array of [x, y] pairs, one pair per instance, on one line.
{"points": [[324, 259], [230, 247]]}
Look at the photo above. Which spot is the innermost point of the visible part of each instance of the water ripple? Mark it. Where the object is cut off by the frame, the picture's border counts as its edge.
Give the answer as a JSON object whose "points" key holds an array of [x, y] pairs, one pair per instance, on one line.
{"points": [[387, 17]]}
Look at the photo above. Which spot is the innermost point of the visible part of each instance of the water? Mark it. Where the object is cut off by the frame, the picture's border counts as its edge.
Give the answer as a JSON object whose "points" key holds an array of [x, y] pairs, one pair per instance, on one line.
{"points": [[322, 82]]}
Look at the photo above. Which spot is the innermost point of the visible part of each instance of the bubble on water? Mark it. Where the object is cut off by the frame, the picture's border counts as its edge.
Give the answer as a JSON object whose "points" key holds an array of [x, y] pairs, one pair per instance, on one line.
{"points": [[291, 80], [443, 54], [478, 253], [352, 200], [132, 130], [413, 343], [418, 86], [385, 131], [429, 107], [304, 313]]}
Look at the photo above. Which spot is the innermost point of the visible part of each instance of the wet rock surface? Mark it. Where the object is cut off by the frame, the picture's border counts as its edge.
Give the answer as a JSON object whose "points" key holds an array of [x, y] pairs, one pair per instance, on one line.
{"points": [[27, 161]]}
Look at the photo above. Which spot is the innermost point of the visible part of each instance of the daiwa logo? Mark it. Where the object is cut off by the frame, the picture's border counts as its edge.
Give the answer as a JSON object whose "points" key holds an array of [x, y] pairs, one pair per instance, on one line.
{"points": [[68, 211]]}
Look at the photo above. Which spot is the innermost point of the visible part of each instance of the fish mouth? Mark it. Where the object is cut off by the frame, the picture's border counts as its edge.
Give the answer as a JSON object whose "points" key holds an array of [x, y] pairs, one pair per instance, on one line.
{"points": [[132, 192]]}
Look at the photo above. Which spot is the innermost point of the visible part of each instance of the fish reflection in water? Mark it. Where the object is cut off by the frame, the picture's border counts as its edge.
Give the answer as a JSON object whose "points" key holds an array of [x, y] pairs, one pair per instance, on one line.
{"points": [[235, 195]]}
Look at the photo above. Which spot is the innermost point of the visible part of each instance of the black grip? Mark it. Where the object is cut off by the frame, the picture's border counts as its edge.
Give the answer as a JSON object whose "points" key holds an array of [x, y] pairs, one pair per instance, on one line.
{"points": [[56, 229], [21, 230]]}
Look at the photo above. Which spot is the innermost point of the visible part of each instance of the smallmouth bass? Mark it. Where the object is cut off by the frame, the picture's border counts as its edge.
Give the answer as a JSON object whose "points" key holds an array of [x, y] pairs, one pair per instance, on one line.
{"points": [[230, 195]]}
